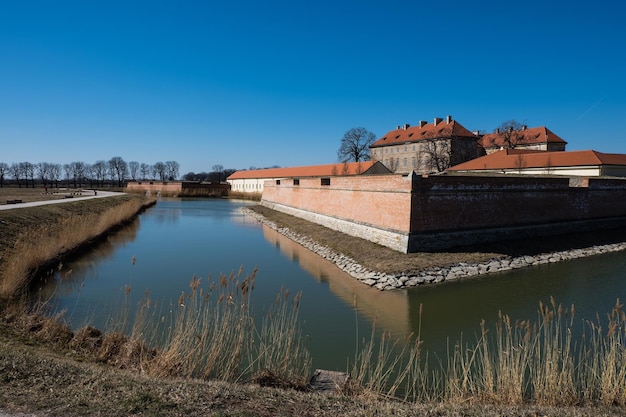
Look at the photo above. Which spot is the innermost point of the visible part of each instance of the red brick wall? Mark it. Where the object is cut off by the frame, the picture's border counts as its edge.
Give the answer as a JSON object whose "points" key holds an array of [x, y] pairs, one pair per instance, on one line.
{"points": [[462, 203], [443, 211], [382, 201]]}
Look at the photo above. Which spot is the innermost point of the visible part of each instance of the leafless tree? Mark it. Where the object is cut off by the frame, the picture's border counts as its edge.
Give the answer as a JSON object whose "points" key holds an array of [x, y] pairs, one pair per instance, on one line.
{"points": [[171, 168], [393, 164], [4, 169], [43, 172], [28, 171], [118, 170], [160, 170], [520, 162], [438, 154], [145, 171], [355, 145], [16, 172], [511, 133], [55, 174], [78, 172], [218, 169], [154, 171], [67, 168], [99, 171], [133, 168]]}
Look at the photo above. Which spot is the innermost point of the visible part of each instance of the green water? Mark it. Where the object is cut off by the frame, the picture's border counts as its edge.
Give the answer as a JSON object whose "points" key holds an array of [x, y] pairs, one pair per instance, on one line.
{"points": [[182, 238]]}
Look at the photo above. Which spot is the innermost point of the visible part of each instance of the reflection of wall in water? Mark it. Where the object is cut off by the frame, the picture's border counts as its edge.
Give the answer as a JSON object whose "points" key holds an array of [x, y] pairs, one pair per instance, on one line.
{"points": [[389, 308]]}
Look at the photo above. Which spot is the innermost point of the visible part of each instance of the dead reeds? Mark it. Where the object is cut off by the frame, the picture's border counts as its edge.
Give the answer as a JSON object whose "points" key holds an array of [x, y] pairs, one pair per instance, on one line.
{"points": [[539, 362], [46, 241], [210, 333]]}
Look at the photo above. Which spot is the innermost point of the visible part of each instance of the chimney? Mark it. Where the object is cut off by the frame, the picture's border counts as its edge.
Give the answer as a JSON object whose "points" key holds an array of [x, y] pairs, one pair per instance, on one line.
{"points": [[438, 120], [497, 130], [398, 127], [423, 123], [448, 119], [510, 128], [406, 126], [524, 127]]}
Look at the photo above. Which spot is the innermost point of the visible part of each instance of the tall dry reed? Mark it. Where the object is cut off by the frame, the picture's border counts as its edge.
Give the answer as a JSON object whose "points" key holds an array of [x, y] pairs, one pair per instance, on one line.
{"points": [[210, 333], [43, 243], [540, 362]]}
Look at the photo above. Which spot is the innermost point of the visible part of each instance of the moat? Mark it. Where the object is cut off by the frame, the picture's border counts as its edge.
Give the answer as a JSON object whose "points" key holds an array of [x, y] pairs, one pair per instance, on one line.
{"points": [[181, 238]]}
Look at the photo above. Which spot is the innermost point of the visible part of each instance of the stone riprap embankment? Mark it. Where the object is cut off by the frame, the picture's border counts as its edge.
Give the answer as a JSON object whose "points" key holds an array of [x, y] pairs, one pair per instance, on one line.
{"points": [[384, 281]]}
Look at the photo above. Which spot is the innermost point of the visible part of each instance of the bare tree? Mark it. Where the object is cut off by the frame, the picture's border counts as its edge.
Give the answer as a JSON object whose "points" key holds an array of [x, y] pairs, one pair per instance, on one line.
{"points": [[67, 168], [145, 171], [355, 145], [55, 174], [171, 168], [79, 169], [520, 162], [218, 169], [160, 170], [43, 172], [119, 170], [99, 171], [4, 169], [133, 168], [28, 171], [154, 171], [16, 172], [511, 133], [438, 154]]}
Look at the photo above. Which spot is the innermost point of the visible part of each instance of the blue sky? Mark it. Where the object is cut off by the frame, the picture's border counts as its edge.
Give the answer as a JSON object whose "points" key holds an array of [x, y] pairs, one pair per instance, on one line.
{"points": [[249, 83]]}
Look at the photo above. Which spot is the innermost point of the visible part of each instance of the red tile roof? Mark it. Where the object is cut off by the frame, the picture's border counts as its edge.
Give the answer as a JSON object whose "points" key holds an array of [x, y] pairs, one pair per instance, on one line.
{"points": [[529, 136], [443, 129], [329, 170], [510, 159]]}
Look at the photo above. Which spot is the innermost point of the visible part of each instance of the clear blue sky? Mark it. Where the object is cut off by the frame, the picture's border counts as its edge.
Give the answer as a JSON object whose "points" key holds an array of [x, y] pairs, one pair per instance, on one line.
{"points": [[259, 83]]}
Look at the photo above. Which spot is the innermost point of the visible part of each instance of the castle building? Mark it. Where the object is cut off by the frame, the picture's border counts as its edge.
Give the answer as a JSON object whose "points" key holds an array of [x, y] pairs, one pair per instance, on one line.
{"points": [[427, 147], [535, 139]]}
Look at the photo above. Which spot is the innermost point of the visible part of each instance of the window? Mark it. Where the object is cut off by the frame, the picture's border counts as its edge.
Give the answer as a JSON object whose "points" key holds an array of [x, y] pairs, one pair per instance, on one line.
{"points": [[296, 181], [277, 182], [325, 181], [404, 162], [413, 162]]}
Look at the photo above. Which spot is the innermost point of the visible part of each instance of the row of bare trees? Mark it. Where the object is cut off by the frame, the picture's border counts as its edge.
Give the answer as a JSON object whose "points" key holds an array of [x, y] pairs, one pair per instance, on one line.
{"points": [[115, 171]]}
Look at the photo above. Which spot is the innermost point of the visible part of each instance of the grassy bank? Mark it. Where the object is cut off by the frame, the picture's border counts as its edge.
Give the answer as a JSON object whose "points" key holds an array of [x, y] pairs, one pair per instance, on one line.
{"points": [[33, 238]]}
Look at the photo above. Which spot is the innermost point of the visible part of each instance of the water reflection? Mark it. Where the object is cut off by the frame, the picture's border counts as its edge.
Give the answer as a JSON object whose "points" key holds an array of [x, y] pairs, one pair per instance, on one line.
{"points": [[457, 308], [68, 278], [390, 309]]}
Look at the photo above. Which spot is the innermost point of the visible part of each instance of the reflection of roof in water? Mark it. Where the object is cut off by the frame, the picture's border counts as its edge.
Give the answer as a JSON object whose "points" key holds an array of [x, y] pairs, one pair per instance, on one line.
{"points": [[389, 308]]}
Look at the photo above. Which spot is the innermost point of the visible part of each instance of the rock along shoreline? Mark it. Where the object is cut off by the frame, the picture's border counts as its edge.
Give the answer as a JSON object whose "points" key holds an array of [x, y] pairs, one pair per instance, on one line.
{"points": [[384, 281]]}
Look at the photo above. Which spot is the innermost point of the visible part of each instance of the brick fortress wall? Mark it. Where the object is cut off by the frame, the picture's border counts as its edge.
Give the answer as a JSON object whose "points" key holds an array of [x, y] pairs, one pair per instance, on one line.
{"points": [[413, 213]]}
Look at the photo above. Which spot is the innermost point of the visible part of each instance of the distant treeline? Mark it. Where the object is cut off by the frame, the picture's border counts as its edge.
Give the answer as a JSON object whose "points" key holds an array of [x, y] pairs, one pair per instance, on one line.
{"points": [[114, 172]]}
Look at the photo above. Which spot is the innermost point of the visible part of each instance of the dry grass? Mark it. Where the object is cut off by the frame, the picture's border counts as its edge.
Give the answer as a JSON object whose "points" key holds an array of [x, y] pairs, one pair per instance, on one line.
{"points": [[34, 237], [42, 373], [525, 362]]}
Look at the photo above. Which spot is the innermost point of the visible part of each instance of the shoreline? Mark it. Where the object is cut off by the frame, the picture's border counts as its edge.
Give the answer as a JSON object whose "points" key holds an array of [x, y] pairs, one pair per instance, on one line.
{"points": [[393, 281], [39, 237]]}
